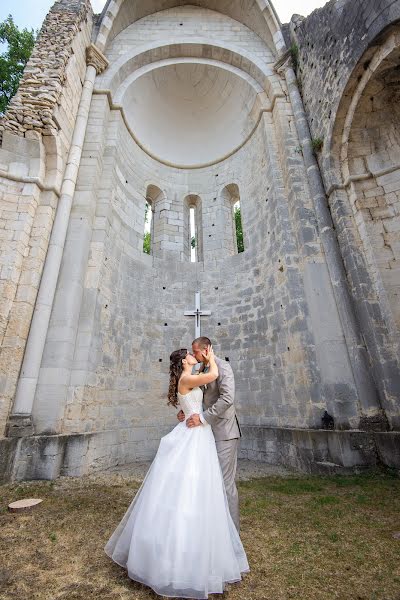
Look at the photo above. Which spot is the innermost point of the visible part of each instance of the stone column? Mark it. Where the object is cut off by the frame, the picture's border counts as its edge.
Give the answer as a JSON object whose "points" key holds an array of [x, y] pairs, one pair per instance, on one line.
{"points": [[20, 421], [314, 323], [367, 392]]}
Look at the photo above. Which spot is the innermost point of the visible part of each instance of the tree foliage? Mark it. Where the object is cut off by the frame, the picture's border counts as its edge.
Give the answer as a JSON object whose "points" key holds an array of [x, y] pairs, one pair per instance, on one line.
{"points": [[147, 242], [147, 234], [239, 229], [12, 62]]}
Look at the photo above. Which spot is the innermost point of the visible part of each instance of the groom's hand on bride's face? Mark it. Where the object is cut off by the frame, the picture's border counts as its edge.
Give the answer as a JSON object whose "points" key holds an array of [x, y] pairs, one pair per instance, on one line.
{"points": [[180, 416], [193, 421]]}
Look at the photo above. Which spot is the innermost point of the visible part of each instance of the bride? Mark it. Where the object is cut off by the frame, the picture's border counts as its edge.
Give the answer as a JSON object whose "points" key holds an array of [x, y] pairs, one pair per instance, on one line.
{"points": [[177, 535]]}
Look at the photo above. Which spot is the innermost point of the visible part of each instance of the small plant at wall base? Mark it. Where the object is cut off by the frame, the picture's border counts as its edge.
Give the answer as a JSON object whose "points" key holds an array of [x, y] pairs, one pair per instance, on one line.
{"points": [[317, 144], [239, 230], [13, 60]]}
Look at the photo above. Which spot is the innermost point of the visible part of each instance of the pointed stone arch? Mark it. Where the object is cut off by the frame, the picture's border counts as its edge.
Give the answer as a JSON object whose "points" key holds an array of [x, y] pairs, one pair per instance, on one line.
{"points": [[363, 185], [229, 197], [260, 75], [259, 16], [365, 152], [368, 70], [139, 71], [369, 155]]}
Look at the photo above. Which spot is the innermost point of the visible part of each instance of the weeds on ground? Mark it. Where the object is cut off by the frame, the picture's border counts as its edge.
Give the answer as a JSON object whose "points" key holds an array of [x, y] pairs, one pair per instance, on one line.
{"points": [[308, 538]]}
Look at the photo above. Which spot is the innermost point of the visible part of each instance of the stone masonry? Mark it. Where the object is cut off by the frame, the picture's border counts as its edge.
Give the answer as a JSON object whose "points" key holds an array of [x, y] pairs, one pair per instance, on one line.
{"points": [[36, 137], [38, 105], [348, 57], [196, 106]]}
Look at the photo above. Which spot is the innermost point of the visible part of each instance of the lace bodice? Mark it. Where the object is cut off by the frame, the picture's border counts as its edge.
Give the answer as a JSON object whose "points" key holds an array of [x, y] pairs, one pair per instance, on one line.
{"points": [[191, 403]]}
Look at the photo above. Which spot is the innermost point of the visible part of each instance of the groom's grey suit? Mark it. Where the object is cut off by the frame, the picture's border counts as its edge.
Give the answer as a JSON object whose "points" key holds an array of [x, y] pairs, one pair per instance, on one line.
{"points": [[219, 412]]}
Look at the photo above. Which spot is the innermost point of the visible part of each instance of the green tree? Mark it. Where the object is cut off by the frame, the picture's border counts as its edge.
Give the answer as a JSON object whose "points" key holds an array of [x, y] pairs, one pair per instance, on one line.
{"points": [[13, 60], [239, 229], [147, 242]]}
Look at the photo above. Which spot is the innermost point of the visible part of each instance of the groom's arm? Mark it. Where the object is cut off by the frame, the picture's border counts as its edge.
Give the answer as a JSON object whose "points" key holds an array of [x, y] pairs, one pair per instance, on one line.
{"points": [[226, 387]]}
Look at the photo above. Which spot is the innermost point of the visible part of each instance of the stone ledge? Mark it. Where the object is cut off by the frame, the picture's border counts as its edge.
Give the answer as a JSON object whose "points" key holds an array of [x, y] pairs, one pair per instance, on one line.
{"points": [[75, 454], [319, 450], [303, 450]]}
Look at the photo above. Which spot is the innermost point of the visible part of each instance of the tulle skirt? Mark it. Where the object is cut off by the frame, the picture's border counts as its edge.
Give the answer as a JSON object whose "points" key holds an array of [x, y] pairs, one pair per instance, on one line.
{"points": [[177, 535]]}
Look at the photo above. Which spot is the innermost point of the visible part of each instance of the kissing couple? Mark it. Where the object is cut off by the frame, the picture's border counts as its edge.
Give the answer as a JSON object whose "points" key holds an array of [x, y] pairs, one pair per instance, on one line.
{"points": [[180, 534]]}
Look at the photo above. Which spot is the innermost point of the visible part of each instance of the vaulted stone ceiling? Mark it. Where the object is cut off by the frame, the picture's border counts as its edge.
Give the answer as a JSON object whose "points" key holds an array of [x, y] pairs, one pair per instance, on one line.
{"points": [[190, 113]]}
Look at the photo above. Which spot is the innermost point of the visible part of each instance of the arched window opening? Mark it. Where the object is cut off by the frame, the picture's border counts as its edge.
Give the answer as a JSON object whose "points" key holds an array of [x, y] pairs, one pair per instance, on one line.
{"points": [[371, 155], [232, 227], [155, 221], [193, 226]]}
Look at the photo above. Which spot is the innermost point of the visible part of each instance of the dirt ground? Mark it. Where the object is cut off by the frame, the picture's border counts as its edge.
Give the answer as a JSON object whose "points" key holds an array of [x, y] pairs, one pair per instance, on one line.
{"points": [[307, 538]]}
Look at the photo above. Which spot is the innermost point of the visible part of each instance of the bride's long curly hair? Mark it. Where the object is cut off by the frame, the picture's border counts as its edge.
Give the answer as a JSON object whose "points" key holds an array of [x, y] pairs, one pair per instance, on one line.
{"points": [[175, 371]]}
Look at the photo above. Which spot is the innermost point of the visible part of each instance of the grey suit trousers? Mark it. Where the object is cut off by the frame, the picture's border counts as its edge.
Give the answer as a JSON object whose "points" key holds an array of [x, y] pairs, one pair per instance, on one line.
{"points": [[227, 455], [219, 412]]}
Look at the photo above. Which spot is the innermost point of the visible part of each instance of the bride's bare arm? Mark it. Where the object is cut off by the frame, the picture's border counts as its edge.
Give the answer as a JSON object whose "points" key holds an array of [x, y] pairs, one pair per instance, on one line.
{"points": [[188, 382], [196, 420]]}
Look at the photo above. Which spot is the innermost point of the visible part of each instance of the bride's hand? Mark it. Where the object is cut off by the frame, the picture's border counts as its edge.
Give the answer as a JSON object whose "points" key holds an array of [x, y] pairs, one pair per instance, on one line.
{"points": [[208, 353]]}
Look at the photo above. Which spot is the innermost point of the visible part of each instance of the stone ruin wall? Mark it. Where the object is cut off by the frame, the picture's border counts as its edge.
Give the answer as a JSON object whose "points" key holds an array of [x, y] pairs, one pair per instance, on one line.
{"points": [[266, 302], [331, 41], [262, 320], [338, 47], [36, 132], [48, 88]]}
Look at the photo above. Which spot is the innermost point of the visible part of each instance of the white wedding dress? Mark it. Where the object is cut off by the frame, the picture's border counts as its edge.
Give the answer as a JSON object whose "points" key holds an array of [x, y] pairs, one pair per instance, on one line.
{"points": [[177, 535]]}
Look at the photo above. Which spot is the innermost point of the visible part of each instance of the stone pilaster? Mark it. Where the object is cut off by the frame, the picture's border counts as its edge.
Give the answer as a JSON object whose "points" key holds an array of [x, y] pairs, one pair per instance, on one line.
{"points": [[40, 321], [367, 392]]}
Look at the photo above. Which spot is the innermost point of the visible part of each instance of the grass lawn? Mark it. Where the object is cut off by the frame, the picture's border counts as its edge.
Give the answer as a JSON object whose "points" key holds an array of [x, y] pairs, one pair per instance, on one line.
{"points": [[305, 537]]}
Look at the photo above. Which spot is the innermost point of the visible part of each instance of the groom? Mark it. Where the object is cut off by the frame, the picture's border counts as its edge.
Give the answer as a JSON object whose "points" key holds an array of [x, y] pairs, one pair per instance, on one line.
{"points": [[219, 412]]}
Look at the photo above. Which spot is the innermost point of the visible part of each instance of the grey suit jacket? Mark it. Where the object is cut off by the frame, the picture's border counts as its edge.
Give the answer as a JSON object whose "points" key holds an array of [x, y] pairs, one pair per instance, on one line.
{"points": [[218, 403]]}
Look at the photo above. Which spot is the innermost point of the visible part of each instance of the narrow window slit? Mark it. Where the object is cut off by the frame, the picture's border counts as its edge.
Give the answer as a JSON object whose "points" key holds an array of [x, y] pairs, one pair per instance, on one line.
{"points": [[238, 226], [147, 228], [193, 245]]}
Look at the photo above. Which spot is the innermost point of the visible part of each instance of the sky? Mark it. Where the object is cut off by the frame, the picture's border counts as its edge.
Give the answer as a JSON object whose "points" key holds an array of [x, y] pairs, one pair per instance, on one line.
{"points": [[31, 13]]}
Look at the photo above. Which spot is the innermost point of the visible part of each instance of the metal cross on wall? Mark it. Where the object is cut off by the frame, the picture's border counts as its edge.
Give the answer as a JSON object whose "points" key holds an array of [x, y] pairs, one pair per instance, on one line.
{"points": [[197, 313]]}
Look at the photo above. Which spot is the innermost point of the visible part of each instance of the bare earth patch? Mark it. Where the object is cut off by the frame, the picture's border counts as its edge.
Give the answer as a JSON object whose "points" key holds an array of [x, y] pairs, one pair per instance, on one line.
{"points": [[307, 538]]}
